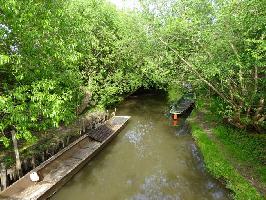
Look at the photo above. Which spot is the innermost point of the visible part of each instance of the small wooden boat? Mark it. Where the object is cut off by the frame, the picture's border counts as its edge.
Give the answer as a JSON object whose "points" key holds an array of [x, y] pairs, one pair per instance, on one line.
{"points": [[58, 169], [183, 104]]}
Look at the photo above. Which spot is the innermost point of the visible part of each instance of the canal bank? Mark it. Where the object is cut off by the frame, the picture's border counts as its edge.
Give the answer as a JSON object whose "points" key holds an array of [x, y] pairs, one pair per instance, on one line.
{"points": [[149, 159], [228, 155]]}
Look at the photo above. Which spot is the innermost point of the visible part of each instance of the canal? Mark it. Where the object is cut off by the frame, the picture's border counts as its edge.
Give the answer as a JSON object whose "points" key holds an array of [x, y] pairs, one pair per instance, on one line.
{"points": [[148, 160]]}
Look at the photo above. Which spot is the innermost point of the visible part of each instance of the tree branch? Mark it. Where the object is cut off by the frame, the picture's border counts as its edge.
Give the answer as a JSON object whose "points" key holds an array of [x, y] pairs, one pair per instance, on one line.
{"points": [[191, 68]]}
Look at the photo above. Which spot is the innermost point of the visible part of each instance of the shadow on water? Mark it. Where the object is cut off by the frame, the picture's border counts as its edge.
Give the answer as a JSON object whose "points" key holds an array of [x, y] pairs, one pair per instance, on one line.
{"points": [[149, 160]]}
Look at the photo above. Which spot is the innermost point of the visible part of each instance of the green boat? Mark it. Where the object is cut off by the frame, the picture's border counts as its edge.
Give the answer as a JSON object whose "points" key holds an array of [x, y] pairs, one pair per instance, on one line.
{"points": [[184, 103]]}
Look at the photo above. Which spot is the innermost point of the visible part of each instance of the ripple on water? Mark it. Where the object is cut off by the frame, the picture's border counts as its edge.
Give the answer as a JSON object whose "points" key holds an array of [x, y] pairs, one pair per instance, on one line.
{"points": [[199, 164], [136, 136], [154, 186]]}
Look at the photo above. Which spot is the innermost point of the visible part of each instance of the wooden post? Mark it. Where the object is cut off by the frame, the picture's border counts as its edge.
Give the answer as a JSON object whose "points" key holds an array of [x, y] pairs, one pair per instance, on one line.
{"points": [[33, 162], [25, 166], [67, 140], [18, 162], [106, 115], [43, 156], [3, 177], [83, 125]]}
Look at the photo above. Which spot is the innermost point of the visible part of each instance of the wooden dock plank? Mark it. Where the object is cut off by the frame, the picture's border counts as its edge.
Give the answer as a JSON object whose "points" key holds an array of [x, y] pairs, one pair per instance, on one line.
{"points": [[100, 134]]}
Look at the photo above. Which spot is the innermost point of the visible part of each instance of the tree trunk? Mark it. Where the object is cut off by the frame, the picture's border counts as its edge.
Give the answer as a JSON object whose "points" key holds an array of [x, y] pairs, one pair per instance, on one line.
{"points": [[18, 162], [85, 102], [33, 162], [3, 177]]}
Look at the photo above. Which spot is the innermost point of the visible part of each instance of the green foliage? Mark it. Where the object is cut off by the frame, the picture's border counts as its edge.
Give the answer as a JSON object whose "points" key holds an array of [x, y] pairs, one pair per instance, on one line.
{"points": [[51, 49], [203, 43], [221, 168], [40, 89], [8, 161], [174, 92], [4, 59]]}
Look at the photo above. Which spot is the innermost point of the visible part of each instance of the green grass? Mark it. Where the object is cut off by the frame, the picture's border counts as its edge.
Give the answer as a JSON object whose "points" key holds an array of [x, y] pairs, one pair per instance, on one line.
{"points": [[246, 148], [221, 168]]}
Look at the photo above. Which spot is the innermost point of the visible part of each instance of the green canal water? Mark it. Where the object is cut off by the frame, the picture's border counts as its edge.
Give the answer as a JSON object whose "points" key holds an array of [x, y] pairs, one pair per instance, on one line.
{"points": [[148, 160]]}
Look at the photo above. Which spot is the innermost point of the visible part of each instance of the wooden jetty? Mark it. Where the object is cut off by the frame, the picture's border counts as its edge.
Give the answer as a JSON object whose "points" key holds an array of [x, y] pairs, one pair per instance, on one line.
{"points": [[57, 170], [182, 105]]}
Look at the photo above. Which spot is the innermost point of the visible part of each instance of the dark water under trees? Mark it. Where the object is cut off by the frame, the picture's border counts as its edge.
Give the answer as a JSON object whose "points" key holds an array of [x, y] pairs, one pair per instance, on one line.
{"points": [[149, 160]]}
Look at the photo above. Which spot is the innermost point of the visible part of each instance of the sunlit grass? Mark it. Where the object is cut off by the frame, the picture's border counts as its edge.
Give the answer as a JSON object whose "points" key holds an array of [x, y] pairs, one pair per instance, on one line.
{"points": [[221, 168]]}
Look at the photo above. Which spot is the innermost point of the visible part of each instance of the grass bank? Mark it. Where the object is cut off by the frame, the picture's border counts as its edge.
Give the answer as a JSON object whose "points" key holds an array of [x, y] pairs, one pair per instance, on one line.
{"points": [[233, 156]]}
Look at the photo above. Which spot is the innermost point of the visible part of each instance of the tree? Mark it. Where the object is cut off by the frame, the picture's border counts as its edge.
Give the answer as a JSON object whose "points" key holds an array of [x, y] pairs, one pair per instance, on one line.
{"points": [[214, 48]]}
